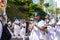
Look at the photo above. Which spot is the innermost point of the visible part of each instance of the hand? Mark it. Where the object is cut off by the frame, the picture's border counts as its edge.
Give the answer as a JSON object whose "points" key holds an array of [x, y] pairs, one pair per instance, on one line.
{"points": [[35, 25]]}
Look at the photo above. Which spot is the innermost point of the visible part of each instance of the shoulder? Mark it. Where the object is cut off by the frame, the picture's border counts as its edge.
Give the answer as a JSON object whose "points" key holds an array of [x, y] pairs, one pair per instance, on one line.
{"points": [[58, 22], [41, 22]]}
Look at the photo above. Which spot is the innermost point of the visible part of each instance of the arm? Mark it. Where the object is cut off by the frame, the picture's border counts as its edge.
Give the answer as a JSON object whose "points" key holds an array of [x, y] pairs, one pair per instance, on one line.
{"points": [[42, 29], [30, 27], [58, 24]]}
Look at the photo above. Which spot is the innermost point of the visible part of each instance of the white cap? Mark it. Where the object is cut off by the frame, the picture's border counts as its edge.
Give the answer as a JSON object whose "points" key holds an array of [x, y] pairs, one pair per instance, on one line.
{"points": [[31, 18]]}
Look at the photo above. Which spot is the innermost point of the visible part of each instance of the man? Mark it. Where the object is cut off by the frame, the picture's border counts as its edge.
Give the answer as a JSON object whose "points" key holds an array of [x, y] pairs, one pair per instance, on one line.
{"points": [[16, 27], [31, 22], [55, 24], [58, 30], [27, 26], [6, 34], [23, 29], [50, 28], [10, 28], [38, 28]]}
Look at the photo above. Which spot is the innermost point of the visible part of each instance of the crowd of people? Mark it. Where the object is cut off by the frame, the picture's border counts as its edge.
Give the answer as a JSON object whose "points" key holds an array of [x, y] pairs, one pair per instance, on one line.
{"points": [[47, 29], [35, 28]]}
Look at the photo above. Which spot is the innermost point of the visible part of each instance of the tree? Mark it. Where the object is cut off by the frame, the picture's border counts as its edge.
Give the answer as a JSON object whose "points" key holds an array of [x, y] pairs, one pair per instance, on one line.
{"points": [[41, 2], [46, 6], [23, 8]]}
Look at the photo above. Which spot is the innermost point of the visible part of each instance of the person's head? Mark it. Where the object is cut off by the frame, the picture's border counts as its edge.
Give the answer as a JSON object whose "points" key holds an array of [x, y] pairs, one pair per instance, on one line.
{"points": [[31, 20], [0, 0], [56, 19], [47, 16], [23, 21], [37, 15], [15, 18]]}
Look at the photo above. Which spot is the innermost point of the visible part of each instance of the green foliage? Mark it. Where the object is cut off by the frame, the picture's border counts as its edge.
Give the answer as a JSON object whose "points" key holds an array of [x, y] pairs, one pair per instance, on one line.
{"points": [[23, 8], [46, 5]]}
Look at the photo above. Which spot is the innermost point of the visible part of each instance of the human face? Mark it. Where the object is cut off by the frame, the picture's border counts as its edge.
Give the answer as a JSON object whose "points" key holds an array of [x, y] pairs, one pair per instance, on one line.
{"points": [[0, 0], [56, 19], [37, 17], [48, 17], [31, 21]]}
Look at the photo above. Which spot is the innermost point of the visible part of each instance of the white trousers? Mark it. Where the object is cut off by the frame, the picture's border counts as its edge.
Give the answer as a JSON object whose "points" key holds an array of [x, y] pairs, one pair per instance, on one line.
{"points": [[35, 35], [51, 35], [58, 33], [22, 33], [16, 30]]}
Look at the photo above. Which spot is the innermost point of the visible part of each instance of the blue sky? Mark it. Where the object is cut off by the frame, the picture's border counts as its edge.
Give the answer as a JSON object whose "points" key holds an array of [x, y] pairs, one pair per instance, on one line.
{"points": [[35, 1]]}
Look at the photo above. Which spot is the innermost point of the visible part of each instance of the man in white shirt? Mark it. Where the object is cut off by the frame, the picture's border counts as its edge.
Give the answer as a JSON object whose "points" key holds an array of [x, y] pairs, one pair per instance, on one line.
{"points": [[58, 30], [23, 29], [51, 35], [38, 28], [16, 27]]}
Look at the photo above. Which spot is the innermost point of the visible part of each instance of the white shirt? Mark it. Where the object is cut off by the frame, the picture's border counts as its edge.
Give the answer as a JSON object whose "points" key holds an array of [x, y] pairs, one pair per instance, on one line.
{"points": [[17, 21], [41, 24], [38, 32], [23, 30], [0, 29], [58, 27]]}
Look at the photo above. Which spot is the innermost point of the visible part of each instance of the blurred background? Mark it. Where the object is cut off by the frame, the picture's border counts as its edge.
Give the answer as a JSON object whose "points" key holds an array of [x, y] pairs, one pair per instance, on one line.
{"points": [[27, 8]]}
